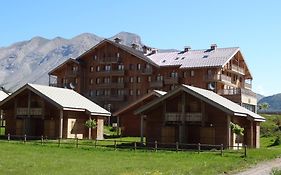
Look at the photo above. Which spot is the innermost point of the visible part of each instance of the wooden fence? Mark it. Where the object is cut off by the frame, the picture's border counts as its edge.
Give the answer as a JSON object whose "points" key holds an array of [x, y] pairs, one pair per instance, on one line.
{"points": [[116, 144]]}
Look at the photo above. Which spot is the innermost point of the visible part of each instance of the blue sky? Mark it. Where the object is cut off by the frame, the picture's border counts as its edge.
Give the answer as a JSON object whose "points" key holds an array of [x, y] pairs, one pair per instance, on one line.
{"points": [[254, 26]]}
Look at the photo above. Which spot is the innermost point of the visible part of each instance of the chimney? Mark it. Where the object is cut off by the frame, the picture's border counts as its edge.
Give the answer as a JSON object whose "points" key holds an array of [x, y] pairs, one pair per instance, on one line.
{"points": [[187, 48], [146, 49], [213, 46], [154, 51], [117, 40], [134, 45]]}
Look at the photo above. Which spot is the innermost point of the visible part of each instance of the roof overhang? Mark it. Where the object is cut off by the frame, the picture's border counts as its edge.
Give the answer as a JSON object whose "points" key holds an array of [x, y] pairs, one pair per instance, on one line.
{"points": [[62, 64]]}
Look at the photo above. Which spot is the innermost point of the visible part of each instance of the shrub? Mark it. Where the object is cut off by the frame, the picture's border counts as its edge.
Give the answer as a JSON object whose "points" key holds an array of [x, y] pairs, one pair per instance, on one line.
{"points": [[276, 142]]}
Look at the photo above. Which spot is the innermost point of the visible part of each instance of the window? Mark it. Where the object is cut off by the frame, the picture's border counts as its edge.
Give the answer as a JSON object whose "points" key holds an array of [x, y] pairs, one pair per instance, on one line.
{"points": [[120, 79], [120, 92], [92, 69], [209, 72], [98, 80], [107, 68], [117, 55], [74, 68], [98, 68], [149, 78], [95, 57], [131, 79], [91, 81], [138, 79], [76, 80], [106, 80], [139, 66], [131, 92], [159, 78], [120, 67], [138, 92], [192, 73], [99, 92], [107, 92], [91, 93], [174, 75]]}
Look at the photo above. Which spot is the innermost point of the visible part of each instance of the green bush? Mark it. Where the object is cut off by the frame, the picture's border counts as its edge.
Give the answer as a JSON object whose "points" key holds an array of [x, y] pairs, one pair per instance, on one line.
{"points": [[276, 142], [275, 171]]}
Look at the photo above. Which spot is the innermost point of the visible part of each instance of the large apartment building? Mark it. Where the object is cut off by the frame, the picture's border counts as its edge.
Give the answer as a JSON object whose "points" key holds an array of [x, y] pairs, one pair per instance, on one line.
{"points": [[113, 75]]}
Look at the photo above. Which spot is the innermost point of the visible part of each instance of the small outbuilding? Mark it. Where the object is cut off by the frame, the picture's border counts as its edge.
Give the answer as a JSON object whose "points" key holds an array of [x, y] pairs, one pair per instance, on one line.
{"points": [[194, 115], [130, 123], [37, 110]]}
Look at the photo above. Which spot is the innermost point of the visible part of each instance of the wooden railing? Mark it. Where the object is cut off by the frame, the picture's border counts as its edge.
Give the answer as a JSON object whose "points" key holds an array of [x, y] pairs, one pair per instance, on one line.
{"points": [[109, 59], [147, 71], [218, 77], [33, 111], [248, 86], [171, 80], [236, 91], [189, 117], [237, 69]]}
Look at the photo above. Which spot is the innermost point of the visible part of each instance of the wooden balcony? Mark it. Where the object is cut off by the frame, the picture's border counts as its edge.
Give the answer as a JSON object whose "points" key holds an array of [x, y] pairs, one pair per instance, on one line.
{"points": [[236, 91], [111, 72], [147, 71], [237, 69], [248, 86], [187, 117], [218, 77], [171, 80], [107, 60], [32, 111], [156, 84], [110, 98], [72, 73]]}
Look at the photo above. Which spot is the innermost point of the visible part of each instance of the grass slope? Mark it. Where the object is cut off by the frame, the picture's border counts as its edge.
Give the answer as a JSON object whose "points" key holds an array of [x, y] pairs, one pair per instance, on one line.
{"points": [[36, 159]]}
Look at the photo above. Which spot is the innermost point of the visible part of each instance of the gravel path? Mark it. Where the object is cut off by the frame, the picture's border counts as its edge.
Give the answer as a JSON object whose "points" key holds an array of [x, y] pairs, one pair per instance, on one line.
{"points": [[263, 168]]}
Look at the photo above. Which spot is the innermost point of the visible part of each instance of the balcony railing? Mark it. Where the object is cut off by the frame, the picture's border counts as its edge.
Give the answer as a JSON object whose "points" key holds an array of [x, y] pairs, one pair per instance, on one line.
{"points": [[171, 80], [238, 69], [110, 98], [188, 117], [156, 84], [111, 72], [32, 111], [236, 91], [248, 86], [109, 60], [72, 73], [218, 77], [147, 71]]}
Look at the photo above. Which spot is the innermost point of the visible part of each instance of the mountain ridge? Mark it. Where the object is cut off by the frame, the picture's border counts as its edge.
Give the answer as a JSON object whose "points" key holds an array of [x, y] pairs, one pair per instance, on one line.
{"points": [[30, 61]]}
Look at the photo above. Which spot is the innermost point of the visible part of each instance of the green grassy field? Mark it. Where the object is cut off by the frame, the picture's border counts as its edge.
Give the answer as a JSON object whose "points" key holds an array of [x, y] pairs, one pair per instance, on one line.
{"points": [[32, 158], [21, 158]]}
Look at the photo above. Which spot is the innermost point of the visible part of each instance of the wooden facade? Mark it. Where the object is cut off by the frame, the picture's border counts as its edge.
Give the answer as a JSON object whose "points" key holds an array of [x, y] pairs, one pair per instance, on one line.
{"points": [[186, 118], [31, 113], [114, 75]]}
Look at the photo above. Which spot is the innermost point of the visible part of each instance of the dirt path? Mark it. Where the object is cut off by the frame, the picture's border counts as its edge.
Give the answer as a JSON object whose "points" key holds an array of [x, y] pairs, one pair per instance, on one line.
{"points": [[263, 168]]}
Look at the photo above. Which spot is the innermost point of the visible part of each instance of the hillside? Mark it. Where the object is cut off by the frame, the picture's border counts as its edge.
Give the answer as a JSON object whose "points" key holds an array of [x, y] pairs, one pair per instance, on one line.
{"points": [[274, 102], [30, 61]]}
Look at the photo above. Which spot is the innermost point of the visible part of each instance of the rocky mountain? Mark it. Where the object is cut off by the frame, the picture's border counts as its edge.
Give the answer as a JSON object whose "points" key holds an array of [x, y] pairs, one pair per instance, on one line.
{"points": [[30, 61], [274, 102]]}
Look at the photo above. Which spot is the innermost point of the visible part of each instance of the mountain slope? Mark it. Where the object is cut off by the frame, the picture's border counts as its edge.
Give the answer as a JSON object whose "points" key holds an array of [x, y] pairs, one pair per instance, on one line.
{"points": [[274, 102], [30, 61]]}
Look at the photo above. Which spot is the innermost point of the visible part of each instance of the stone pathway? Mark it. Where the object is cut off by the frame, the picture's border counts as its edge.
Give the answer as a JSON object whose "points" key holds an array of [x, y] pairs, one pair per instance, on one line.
{"points": [[263, 168]]}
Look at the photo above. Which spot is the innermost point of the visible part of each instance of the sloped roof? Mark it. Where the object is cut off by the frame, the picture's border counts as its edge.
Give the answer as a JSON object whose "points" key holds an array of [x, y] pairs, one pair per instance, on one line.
{"points": [[195, 58], [209, 97], [62, 64], [3, 95], [156, 93], [66, 99], [133, 51]]}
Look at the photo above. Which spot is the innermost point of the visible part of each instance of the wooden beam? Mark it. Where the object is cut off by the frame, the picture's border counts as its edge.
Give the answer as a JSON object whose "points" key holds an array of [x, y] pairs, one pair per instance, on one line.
{"points": [[228, 130], [141, 128], [61, 124], [252, 134]]}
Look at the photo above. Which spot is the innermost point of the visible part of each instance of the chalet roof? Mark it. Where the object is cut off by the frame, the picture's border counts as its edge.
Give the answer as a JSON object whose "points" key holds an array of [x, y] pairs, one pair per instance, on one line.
{"points": [[66, 99], [156, 93], [62, 64], [209, 97], [3, 95], [131, 50], [195, 58]]}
